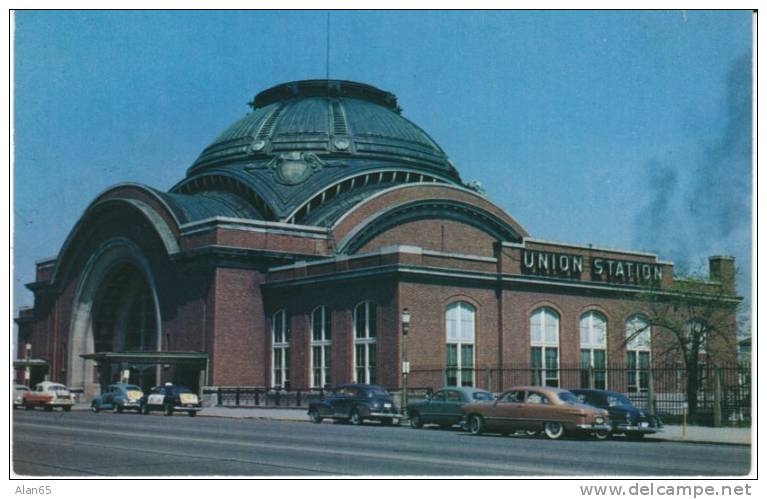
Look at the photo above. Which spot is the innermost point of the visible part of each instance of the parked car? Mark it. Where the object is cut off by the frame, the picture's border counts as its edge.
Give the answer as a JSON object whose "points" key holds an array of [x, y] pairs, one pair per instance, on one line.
{"points": [[48, 395], [118, 397], [444, 406], [553, 411], [624, 416], [356, 403], [169, 398], [18, 395]]}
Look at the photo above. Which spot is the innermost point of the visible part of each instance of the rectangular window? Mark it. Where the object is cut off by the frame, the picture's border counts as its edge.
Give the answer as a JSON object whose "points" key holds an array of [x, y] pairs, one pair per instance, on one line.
{"points": [[637, 371], [365, 343], [280, 350]]}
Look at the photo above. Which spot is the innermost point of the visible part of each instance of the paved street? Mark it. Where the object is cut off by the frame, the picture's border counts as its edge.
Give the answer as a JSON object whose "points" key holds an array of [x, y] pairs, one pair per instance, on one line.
{"points": [[83, 443]]}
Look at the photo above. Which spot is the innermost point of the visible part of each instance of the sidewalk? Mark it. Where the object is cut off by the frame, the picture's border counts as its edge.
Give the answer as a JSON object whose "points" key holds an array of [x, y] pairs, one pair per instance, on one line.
{"points": [[695, 434]]}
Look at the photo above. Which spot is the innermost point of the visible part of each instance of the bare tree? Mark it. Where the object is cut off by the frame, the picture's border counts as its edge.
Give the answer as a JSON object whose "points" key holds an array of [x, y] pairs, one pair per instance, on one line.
{"points": [[694, 324]]}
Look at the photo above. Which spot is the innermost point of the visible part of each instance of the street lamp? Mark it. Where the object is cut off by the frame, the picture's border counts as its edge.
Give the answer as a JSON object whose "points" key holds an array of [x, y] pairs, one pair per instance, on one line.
{"points": [[405, 318]]}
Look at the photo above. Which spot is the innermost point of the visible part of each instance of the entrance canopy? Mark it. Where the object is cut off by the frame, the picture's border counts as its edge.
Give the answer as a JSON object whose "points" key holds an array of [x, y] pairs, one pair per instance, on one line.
{"points": [[151, 368], [197, 359]]}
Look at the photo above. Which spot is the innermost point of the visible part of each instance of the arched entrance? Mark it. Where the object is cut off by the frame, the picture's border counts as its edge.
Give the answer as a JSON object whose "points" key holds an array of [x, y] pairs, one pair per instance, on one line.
{"points": [[115, 309]]}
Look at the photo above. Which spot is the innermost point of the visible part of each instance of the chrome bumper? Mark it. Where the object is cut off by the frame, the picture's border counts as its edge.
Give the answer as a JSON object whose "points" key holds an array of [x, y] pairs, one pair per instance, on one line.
{"points": [[391, 415], [182, 408], [595, 427], [636, 428]]}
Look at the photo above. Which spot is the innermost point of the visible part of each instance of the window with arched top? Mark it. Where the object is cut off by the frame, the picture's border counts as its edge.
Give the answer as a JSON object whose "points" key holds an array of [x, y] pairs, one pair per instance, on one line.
{"points": [[460, 319], [365, 343], [544, 346], [280, 350], [638, 351], [320, 348], [593, 326]]}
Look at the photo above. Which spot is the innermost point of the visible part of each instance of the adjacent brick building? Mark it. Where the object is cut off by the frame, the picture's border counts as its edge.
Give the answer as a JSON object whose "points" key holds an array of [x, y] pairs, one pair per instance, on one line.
{"points": [[288, 253]]}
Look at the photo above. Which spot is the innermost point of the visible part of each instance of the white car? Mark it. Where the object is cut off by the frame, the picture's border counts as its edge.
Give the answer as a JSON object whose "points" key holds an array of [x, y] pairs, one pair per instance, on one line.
{"points": [[48, 395], [18, 395]]}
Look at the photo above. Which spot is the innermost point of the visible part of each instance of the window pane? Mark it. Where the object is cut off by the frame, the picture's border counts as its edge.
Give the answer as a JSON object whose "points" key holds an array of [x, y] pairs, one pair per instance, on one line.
{"points": [[316, 324], [599, 359], [327, 315], [535, 358], [467, 356], [551, 358], [452, 355], [536, 334], [371, 320], [359, 321], [585, 358]]}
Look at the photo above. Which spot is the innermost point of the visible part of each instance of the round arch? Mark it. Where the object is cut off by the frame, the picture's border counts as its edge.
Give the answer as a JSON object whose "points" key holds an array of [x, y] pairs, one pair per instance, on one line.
{"points": [[110, 255]]}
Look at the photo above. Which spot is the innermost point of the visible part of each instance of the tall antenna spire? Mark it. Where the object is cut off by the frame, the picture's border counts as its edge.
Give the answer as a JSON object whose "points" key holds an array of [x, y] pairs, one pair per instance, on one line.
{"points": [[327, 51]]}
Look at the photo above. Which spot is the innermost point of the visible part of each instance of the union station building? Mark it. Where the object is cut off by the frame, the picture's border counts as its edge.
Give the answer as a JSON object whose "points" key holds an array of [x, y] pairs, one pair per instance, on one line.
{"points": [[288, 253]]}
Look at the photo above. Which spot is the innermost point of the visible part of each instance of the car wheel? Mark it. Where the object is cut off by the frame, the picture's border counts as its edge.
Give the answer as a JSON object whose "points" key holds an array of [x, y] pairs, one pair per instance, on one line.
{"points": [[27, 407], [476, 425], [115, 409], [94, 407], [48, 408], [531, 433], [387, 421], [355, 418], [602, 434], [67, 408], [144, 410], [192, 414], [553, 430], [635, 436], [167, 410], [415, 421], [314, 416]]}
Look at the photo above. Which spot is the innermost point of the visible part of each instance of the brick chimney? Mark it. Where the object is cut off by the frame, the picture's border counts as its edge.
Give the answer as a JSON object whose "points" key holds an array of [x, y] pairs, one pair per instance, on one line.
{"points": [[722, 269]]}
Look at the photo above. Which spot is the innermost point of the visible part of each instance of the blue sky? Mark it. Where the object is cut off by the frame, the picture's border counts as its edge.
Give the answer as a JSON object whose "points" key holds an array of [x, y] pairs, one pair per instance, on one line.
{"points": [[621, 129]]}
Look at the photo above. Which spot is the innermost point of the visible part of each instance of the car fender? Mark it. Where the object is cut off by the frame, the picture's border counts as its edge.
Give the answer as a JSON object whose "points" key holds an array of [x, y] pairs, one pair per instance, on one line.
{"points": [[362, 409]]}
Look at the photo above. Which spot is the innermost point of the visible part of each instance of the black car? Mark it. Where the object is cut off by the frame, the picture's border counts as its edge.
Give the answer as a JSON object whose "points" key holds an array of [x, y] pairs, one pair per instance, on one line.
{"points": [[444, 407], [625, 418], [356, 403], [169, 398]]}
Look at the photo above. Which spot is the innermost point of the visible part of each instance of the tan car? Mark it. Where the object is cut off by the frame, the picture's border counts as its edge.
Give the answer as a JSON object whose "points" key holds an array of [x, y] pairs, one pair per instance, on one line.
{"points": [[534, 409]]}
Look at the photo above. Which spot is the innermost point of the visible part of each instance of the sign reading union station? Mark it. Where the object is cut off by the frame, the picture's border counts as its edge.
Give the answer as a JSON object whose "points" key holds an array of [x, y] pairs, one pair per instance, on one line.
{"points": [[602, 269]]}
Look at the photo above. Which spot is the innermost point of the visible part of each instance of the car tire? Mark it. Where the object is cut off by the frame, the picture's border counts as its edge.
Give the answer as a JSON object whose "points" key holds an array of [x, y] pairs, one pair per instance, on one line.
{"points": [[602, 434], [67, 408], [476, 425], [415, 421], [355, 418], [115, 409], [95, 408], [635, 436], [532, 433], [314, 416], [48, 408], [27, 407], [553, 430], [192, 414], [167, 410], [144, 410]]}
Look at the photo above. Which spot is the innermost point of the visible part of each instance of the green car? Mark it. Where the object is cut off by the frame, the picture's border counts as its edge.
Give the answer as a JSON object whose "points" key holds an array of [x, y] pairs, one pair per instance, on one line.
{"points": [[444, 407]]}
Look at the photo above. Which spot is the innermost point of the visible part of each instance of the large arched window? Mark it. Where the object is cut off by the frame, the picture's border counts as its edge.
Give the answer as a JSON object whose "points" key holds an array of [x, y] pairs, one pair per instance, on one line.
{"points": [[638, 344], [365, 343], [544, 346], [280, 350], [593, 350], [320, 347], [459, 325]]}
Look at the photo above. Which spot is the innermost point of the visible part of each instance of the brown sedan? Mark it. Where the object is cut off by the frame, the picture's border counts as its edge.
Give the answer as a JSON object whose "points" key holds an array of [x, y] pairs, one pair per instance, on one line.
{"points": [[533, 409]]}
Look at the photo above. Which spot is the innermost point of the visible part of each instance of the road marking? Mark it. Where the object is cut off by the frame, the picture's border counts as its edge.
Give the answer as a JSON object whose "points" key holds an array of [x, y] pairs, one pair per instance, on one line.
{"points": [[531, 470]]}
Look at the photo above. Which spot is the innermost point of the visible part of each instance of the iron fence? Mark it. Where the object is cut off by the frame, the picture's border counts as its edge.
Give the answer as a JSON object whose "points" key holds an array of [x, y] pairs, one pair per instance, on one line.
{"points": [[723, 391]]}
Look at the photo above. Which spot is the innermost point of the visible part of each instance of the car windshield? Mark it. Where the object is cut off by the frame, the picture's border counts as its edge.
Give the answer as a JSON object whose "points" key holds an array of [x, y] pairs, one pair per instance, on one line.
{"points": [[377, 393], [482, 396], [57, 388], [568, 398], [615, 399], [132, 387], [181, 389]]}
